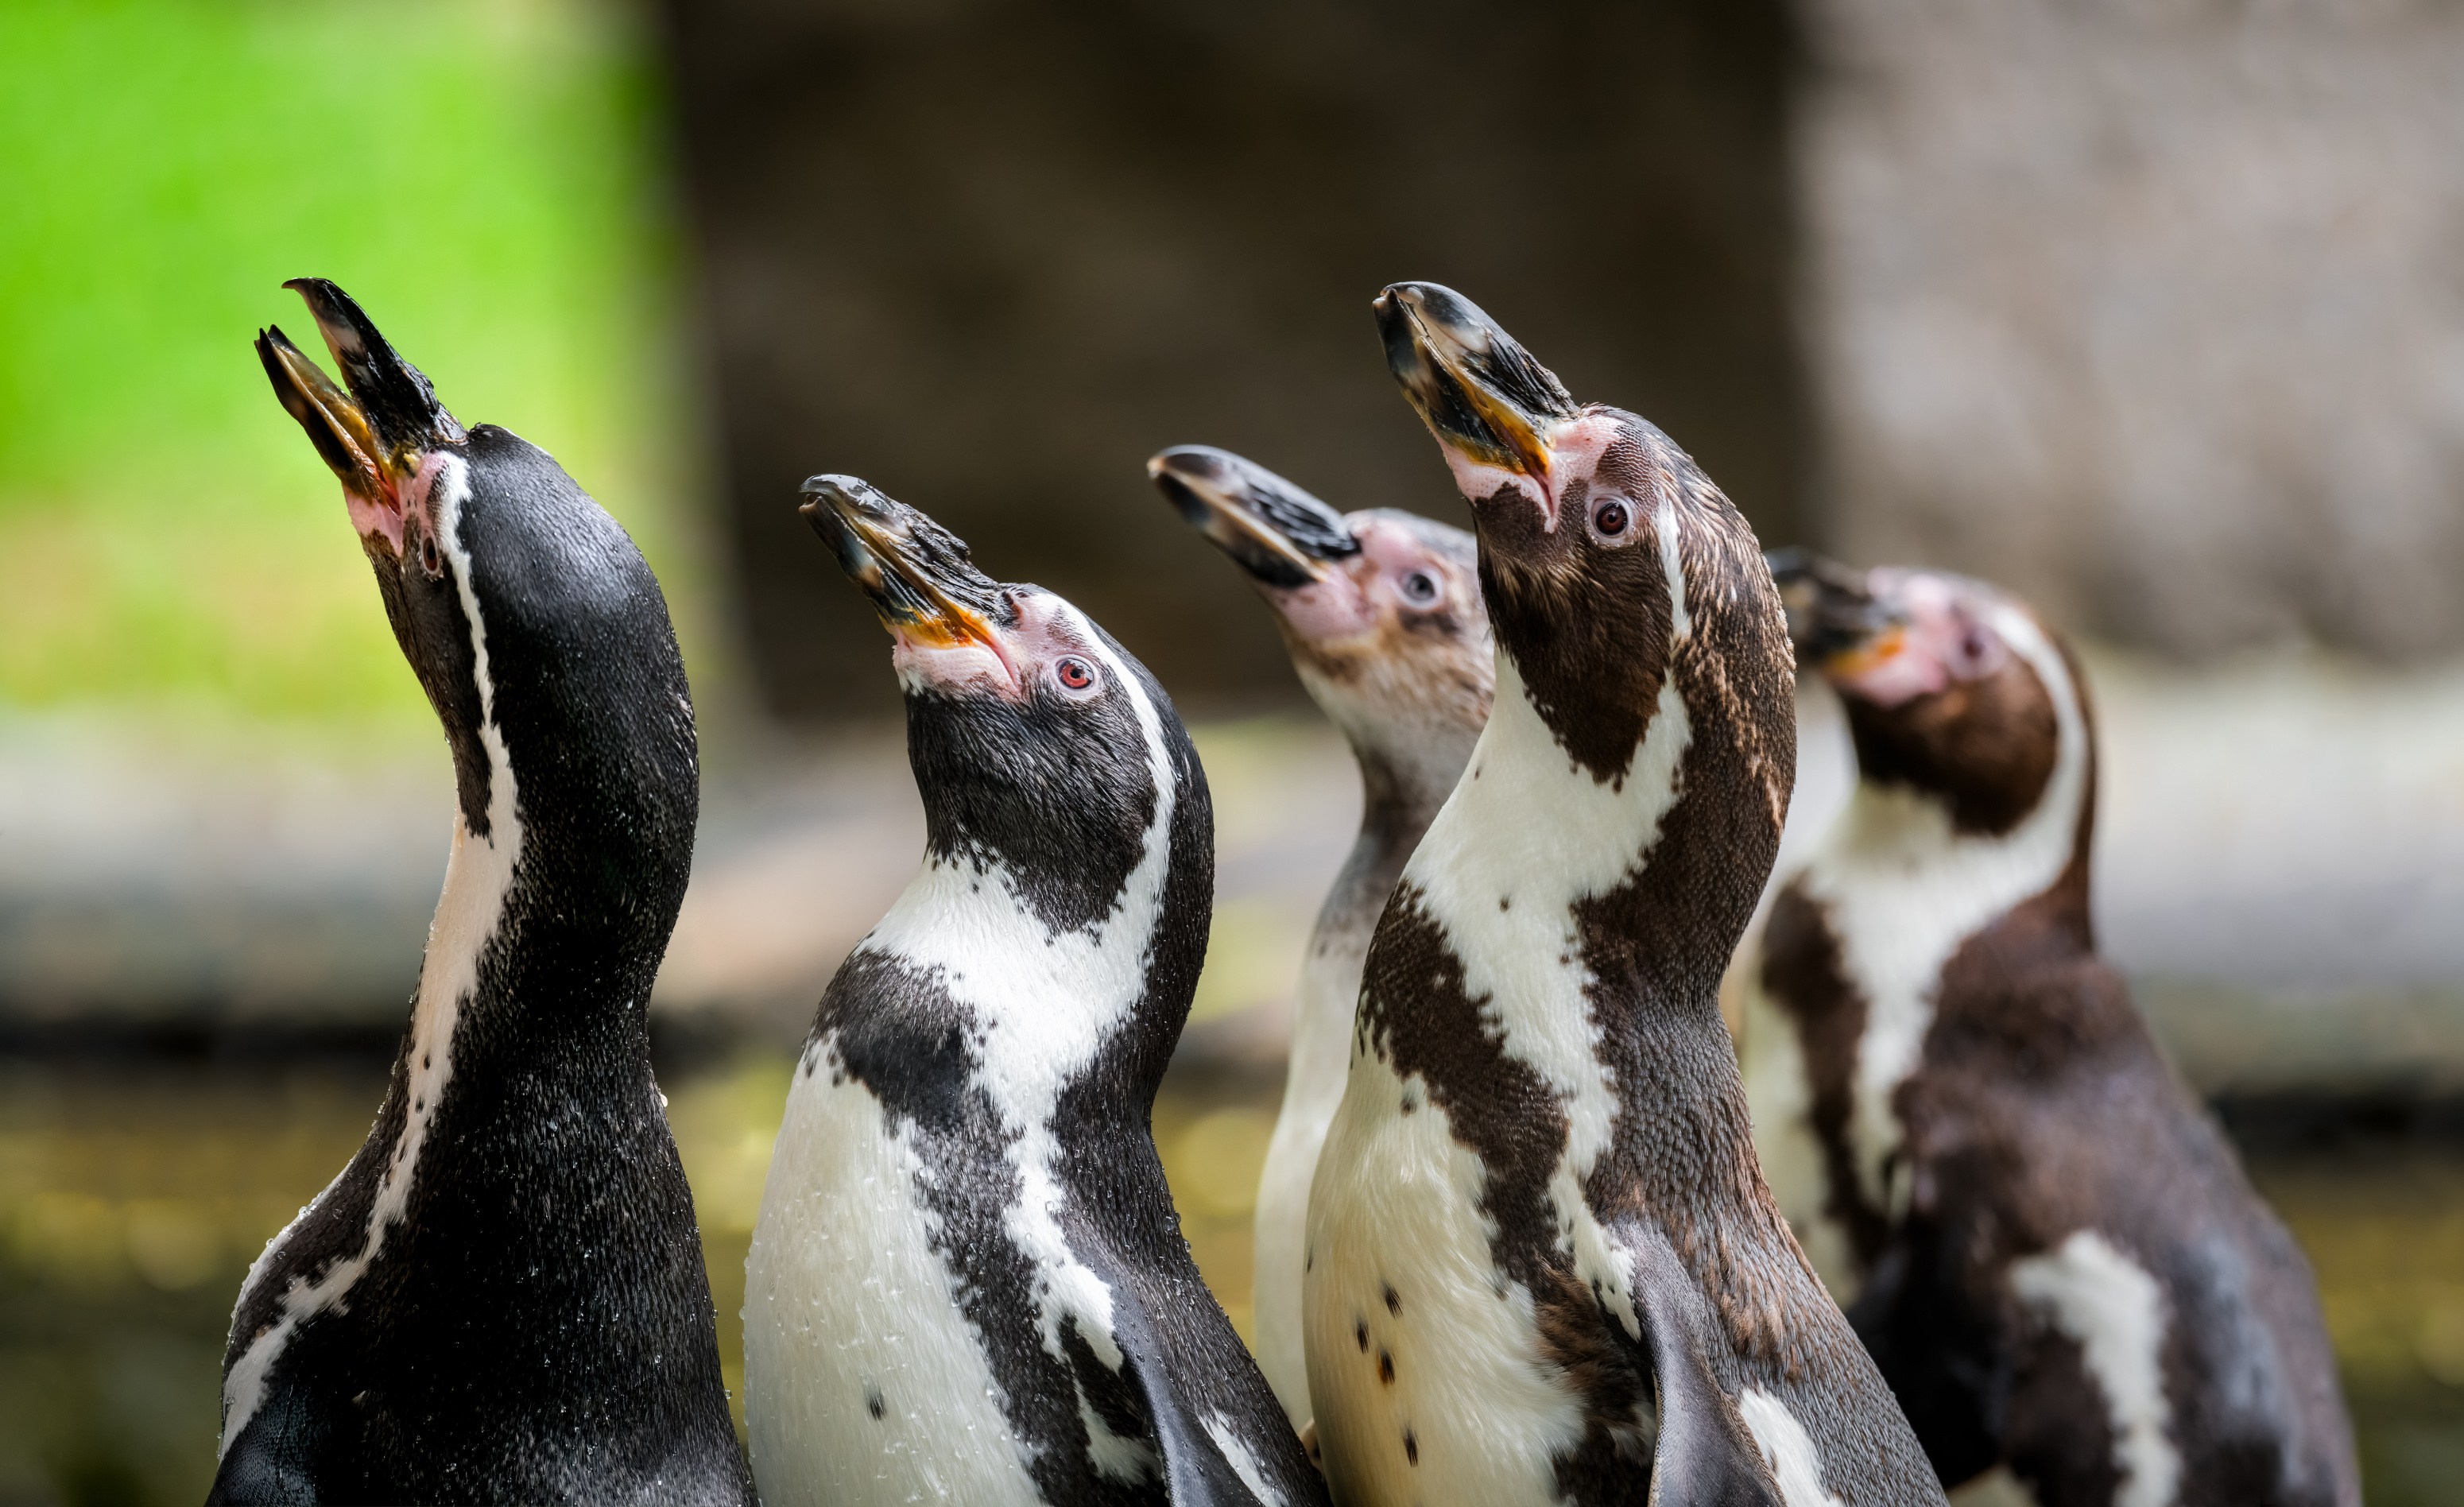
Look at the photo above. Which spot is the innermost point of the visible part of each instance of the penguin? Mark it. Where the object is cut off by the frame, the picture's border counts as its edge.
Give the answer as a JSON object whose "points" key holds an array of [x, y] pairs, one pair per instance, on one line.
{"points": [[1380, 610], [967, 1282], [2045, 1242], [1542, 1265], [501, 1298]]}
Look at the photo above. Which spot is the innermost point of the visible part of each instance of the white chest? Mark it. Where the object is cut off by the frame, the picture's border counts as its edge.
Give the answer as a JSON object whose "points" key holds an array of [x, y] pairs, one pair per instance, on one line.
{"points": [[1425, 1363], [1440, 1395], [864, 1379]]}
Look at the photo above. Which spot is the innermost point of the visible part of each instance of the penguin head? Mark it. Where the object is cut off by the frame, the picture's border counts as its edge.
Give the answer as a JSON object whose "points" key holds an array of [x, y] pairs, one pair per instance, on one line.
{"points": [[1381, 609], [1038, 743], [1601, 543], [1953, 687], [529, 618]]}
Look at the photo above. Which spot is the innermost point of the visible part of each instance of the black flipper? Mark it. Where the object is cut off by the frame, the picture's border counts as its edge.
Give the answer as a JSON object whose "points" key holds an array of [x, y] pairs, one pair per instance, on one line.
{"points": [[1167, 1360], [1703, 1457], [274, 1459], [1950, 1373], [1196, 1472]]}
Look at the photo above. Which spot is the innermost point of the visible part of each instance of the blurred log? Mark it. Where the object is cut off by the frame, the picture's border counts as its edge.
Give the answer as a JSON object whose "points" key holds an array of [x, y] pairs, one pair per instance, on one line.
{"points": [[991, 256]]}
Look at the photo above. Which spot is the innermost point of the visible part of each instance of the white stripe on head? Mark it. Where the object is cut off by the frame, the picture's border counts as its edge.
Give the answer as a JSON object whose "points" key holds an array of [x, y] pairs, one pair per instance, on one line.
{"points": [[478, 874], [1904, 890], [1045, 1003], [1672, 568], [2109, 1304], [1795, 1465]]}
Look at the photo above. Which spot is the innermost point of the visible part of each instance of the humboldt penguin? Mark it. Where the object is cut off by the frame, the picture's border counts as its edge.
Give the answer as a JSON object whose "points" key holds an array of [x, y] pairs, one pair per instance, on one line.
{"points": [[967, 1282], [1542, 1263], [502, 1297], [1380, 610], [2044, 1240]]}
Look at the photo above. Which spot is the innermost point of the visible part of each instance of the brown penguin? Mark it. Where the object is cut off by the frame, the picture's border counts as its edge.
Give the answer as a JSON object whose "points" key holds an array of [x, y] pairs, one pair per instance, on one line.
{"points": [[1381, 612], [1542, 1264], [2047, 1245]]}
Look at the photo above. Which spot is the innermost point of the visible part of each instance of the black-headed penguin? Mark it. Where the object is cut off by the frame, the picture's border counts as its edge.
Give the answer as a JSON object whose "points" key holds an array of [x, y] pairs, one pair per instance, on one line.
{"points": [[501, 1299], [967, 1282]]}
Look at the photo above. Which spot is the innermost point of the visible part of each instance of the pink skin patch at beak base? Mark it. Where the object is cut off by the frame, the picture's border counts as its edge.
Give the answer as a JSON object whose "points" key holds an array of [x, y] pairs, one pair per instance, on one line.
{"points": [[1327, 610], [1937, 643], [927, 665], [1357, 594], [380, 518], [1046, 629], [1574, 448]]}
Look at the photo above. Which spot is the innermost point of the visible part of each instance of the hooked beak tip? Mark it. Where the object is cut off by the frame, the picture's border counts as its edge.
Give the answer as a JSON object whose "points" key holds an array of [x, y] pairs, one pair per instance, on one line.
{"points": [[1832, 615], [917, 575], [1484, 398], [1272, 529]]}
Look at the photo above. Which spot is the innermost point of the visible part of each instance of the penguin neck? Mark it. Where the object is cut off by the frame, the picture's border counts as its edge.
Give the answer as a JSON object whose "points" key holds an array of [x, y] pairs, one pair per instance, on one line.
{"points": [[568, 864], [1406, 776], [1554, 887], [1904, 885], [552, 920], [1410, 758], [1053, 1002], [1397, 803]]}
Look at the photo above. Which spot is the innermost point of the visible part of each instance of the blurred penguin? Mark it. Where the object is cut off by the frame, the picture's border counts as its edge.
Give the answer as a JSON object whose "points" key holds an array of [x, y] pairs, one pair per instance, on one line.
{"points": [[2044, 1240], [1380, 611]]}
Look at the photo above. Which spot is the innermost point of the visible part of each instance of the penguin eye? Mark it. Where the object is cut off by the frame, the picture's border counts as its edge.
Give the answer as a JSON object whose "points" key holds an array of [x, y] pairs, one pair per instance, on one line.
{"points": [[1420, 588], [1611, 518], [1978, 649], [429, 559], [1074, 673]]}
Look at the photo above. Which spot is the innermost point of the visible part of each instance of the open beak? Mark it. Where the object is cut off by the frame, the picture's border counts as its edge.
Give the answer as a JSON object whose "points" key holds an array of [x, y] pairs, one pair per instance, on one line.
{"points": [[1279, 534], [1481, 393], [1837, 624], [372, 432], [923, 585]]}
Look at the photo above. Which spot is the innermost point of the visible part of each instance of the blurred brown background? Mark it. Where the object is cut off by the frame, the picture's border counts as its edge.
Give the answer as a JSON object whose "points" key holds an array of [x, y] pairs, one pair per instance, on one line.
{"points": [[991, 256]]}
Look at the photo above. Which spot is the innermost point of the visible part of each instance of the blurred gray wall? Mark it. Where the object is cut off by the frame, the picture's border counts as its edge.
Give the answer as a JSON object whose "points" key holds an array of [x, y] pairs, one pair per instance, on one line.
{"points": [[2153, 309], [990, 255]]}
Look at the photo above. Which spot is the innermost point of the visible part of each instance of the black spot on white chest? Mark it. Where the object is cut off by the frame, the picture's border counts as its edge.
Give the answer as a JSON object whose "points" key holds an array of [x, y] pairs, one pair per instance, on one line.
{"points": [[898, 1058]]}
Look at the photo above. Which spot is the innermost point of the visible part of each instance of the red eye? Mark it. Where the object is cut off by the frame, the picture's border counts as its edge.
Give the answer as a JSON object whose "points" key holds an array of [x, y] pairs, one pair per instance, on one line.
{"points": [[427, 561], [1076, 673], [1612, 517]]}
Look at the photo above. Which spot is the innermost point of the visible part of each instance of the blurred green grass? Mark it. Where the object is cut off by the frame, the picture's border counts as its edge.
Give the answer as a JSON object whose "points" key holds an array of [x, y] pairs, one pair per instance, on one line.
{"points": [[485, 177]]}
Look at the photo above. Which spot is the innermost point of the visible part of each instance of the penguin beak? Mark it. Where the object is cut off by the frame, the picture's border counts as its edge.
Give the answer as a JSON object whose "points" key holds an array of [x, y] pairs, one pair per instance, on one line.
{"points": [[922, 584], [1279, 534], [372, 433], [1840, 626], [1483, 395]]}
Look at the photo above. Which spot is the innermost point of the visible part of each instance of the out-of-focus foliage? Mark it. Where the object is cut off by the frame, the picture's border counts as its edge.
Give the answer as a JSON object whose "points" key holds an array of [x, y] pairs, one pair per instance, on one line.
{"points": [[479, 174]]}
